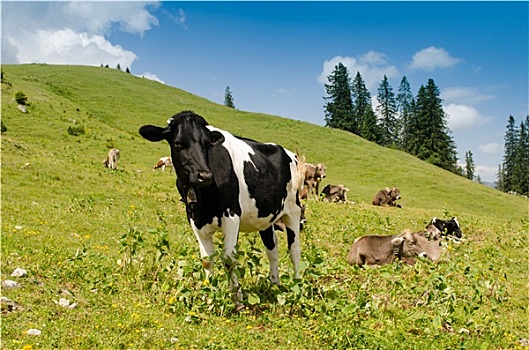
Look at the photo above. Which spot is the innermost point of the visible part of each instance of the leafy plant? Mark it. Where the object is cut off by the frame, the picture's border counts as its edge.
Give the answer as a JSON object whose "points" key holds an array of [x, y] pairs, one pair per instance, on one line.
{"points": [[76, 130], [21, 98]]}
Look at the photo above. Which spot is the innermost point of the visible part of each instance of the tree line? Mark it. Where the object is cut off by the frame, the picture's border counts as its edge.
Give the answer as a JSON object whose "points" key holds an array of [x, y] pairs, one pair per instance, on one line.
{"points": [[513, 173], [416, 125]]}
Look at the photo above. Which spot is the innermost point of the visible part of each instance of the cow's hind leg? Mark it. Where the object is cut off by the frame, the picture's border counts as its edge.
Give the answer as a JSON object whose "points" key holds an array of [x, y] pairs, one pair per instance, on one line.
{"points": [[269, 239]]}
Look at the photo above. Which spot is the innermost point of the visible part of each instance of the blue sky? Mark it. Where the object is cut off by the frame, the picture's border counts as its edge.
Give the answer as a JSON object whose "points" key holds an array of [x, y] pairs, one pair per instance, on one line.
{"points": [[275, 56]]}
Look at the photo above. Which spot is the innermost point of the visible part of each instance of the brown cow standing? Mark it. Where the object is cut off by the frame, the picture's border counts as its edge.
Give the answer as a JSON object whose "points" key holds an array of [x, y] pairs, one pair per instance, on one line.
{"points": [[387, 197], [112, 159], [313, 176], [376, 251]]}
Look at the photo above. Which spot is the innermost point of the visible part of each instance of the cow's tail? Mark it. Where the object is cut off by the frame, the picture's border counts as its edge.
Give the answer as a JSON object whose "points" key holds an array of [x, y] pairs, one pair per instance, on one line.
{"points": [[300, 168]]}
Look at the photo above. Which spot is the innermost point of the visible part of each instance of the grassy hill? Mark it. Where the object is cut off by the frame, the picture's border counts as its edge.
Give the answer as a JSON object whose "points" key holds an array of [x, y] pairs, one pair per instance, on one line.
{"points": [[99, 237]]}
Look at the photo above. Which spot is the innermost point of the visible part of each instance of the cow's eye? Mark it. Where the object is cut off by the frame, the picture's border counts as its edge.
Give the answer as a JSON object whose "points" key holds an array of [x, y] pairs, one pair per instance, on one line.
{"points": [[178, 146]]}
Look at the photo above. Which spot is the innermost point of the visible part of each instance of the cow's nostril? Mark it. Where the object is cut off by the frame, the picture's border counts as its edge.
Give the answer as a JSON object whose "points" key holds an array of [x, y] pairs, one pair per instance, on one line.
{"points": [[205, 176]]}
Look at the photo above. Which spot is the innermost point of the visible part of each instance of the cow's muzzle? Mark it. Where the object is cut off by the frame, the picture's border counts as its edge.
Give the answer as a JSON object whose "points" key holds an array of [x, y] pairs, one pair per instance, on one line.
{"points": [[205, 178]]}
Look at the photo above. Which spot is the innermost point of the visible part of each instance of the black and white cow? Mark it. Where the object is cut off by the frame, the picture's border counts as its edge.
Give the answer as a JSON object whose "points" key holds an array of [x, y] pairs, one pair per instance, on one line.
{"points": [[438, 227], [233, 184]]}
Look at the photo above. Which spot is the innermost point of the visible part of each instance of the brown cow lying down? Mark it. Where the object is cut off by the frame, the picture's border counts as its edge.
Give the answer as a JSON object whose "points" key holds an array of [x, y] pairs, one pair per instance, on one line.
{"points": [[334, 194], [387, 197], [381, 250]]}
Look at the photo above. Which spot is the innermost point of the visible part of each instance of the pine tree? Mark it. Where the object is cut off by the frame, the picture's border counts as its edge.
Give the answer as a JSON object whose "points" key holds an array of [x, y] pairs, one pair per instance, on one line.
{"points": [[499, 179], [405, 108], [387, 111], [228, 98], [509, 156], [469, 165], [431, 140], [363, 114], [339, 108], [522, 159], [127, 70]]}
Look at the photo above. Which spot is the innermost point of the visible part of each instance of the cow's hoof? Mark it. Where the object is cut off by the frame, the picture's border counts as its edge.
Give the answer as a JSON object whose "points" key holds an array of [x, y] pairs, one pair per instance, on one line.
{"points": [[239, 307]]}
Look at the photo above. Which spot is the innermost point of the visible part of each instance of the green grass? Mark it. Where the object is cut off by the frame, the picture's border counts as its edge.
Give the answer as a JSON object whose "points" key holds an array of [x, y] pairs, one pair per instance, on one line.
{"points": [[68, 221]]}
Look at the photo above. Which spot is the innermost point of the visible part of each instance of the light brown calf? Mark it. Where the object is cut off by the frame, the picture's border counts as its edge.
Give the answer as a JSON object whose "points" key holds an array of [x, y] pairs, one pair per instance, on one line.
{"points": [[381, 250]]}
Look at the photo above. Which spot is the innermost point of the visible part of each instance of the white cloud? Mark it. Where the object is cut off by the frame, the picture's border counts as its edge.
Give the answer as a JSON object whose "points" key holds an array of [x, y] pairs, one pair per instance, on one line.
{"points": [[68, 47], [486, 173], [151, 76], [432, 58], [371, 65], [465, 95], [71, 32], [491, 148], [462, 117], [180, 18]]}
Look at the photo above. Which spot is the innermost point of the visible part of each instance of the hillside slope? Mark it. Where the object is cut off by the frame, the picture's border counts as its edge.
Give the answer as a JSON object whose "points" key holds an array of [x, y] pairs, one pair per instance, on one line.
{"points": [[111, 105], [118, 244]]}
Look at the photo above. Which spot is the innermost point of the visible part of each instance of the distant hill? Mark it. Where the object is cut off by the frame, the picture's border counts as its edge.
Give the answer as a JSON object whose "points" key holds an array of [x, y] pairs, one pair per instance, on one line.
{"points": [[110, 105]]}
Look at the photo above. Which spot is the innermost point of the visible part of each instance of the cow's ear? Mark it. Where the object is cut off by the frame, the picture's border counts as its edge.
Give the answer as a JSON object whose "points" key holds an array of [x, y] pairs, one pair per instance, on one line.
{"points": [[397, 241], [153, 133], [216, 138]]}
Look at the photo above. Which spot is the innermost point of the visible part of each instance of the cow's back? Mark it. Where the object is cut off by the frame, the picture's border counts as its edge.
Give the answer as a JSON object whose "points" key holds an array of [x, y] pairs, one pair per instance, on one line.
{"points": [[371, 250], [265, 179]]}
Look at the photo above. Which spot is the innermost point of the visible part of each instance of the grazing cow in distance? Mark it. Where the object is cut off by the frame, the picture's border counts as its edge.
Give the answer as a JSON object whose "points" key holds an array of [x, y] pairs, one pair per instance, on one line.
{"points": [[387, 197], [334, 194], [437, 227], [233, 184], [376, 251], [162, 163], [111, 160], [304, 193], [279, 225], [313, 176]]}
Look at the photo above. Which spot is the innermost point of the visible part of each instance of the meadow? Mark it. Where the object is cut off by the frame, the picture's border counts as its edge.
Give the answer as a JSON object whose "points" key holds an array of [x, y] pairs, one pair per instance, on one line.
{"points": [[118, 245]]}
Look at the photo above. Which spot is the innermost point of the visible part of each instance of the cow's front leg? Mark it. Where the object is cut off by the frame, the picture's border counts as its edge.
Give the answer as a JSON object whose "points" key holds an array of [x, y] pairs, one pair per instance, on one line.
{"points": [[205, 243], [269, 239], [230, 228], [294, 244]]}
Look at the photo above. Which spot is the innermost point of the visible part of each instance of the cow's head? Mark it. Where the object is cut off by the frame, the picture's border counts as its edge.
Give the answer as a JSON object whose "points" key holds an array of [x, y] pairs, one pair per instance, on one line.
{"points": [[320, 171], [394, 193], [410, 245], [190, 141]]}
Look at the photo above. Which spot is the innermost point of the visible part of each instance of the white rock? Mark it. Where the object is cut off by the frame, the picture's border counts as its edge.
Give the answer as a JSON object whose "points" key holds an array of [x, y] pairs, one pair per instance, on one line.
{"points": [[33, 332], [8, 284], [64, 302], [19, 272]]}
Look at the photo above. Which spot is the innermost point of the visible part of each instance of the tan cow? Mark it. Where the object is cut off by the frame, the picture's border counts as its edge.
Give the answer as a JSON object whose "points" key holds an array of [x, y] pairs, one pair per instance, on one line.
{"points": [[313, 176], [387, 197], [112, 159], [376, 251]]}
